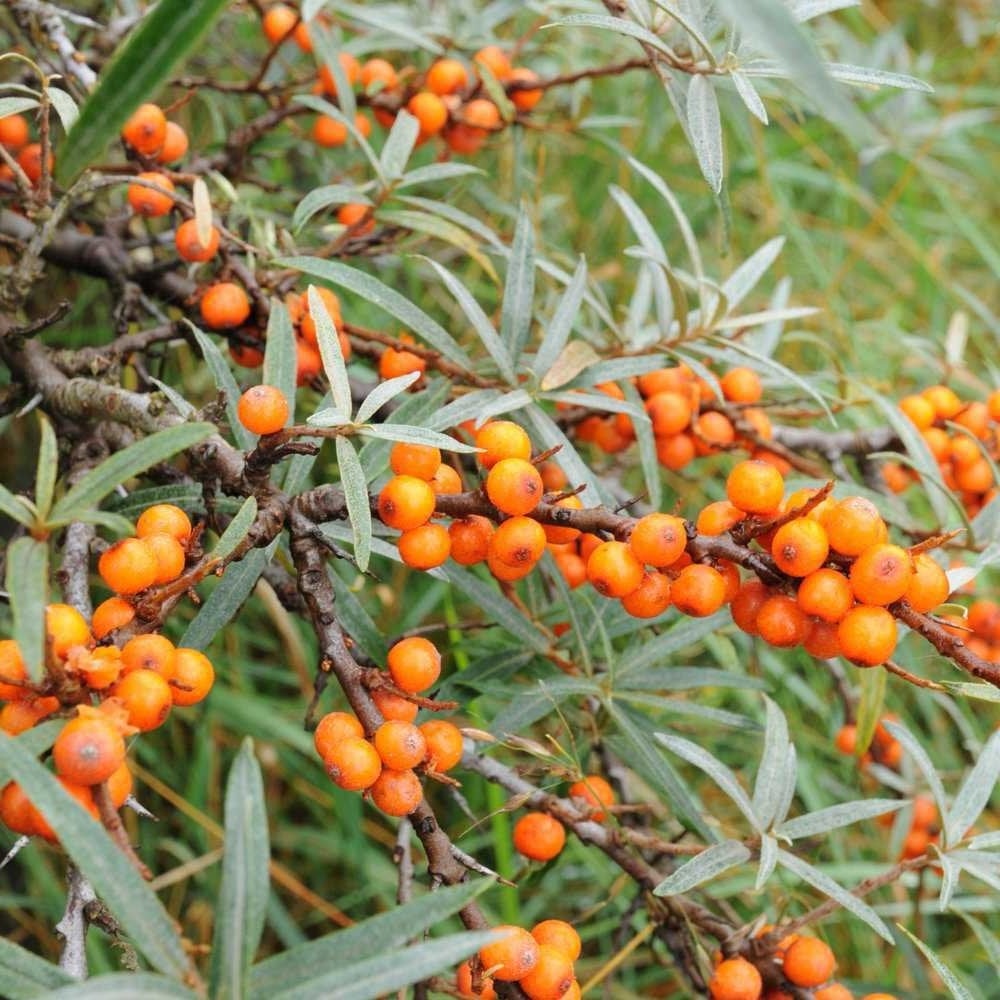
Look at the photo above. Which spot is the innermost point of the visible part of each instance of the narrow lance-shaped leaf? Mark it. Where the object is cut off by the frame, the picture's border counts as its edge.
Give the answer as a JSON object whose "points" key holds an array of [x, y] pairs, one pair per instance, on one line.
{"points": [[237, 529], [47, 468], [27, 583], [135, 72], [331, 353], [244, 891], [280, 362], [769, 783], [412, 434], [25, 976], [326, 50], [519, 290], [975, 792], [352, 476], [768, 861], [124, 986], [15, 507], [225, 383], [705, 127], [911, 745], [399, 145], [834, 817], [560, 326], [712, 862], [323, 197], [382, 393], [955, 986]]}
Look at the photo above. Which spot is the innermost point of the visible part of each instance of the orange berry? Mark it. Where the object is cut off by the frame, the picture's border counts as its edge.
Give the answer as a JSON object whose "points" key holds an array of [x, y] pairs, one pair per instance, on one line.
{"points": [[698, 591], [946, 403], [263, 409], [169, 555], [557, 534], [247, 355], [328, 132], [741, 385], [551, 977], [853, 525], [470, 539], [559, 935], [976, 477], [378, 71], [669, 411], [147, 698], [493, 58], [353, 763], [938, 442], [446, 480], [881, 574], [613, 569], [658, 539], [30, 161], [511, 956], [518, 542], [444, 744], [524, 100], [878, 996], [128, 566], [164, 519], [867, 635], [415, 664], [397, 793], [755, 487], [145, 201], [821, 640], [925, 812], [712, 431], [650, 598], [479, 118], [595, 792], [928, 586], [514, 486], [846, 739], [110, 615], [446, 76], [18, 716], [835, 991], [781, 623], [572, 567], [307, 325], [420, 460], [100, 667], [405, 503], [193, 677], [430, 111], [190, 247], [993, 405], [746, 605], [539, 836], [424, 547], [463, 980], [735, 979], [88, 750], [718, 517], [826, 594], [401, 745], [919, 410], [65, 627], [352, 71], [809, 962], [392, 363], [501, 439], [150, 652], [13, 669], [334, 727], [800, 547], [675, 451], [394, 706], [984, 619], [224, 306], [146, 129], [279, 22], [13, 132], [308, 363], [175, 144], [16, 811]]}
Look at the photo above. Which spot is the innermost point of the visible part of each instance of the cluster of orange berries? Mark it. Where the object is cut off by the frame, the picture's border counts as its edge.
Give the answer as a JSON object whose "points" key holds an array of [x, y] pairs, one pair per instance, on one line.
{"points": [[447, 100], [156, 141], [541, 837], [540, 961], [806, 963], [678, 403], [885, 749], [964, 452], [113, 692], [383, 767], [15, 134]]}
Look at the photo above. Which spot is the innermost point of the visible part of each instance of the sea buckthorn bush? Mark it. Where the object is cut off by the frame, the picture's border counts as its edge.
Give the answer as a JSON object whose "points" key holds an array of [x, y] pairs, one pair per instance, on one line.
{"points": [[499, 500]]}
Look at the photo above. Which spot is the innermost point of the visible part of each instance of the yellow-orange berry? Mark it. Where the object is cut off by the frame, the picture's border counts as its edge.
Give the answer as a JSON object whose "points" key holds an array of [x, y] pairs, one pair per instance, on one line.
{"points": [[193, 677], [928, 587], [65, 627], [614, 570], [169, 555], [146, 129], [100, 667], [511, 956], [650, 598], [189, 244], [378, 71], [392, 363], [741, 385], [420, 460], [164, 519], [559, 534], [401, 745], [551, 977], [755, 487], [493, 58], [826, 594], [109, 615], [800, 547], [539, 836], [853, 525], [425, 546], [746, 604], [263, 409], [175, 144], [781, 622], [279, 22], [514, 486], [224, 306], [524, 99], [444, 744], [718, 517], [150, 652], [394, 706], [559, 935], [699, 590], [735, 979], [446, 76], [397, 793], [415, 664], [14, 133], [518, 542], [809, 962], [128, 566], [867, 635], [881, 574], [405, 503], [430, 111], [147, 698], [353, 763], [470, 539], [658, 539], [334, 727], [595, 792], [145, 201], [88, 750]]}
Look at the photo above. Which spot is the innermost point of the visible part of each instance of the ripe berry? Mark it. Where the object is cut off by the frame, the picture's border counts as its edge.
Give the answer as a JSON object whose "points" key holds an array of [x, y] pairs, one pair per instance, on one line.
{"points": [[414, 663], [867, 635], [945, 401], [881, 574], [190, 247], [699, 590], [164, 519], [420, 460], [30, 161], [781, 623], [328, 132], [169, 555], [919, 410], [392, 363], [150, 652], [928, 586], [559, 935], [755, 487], [393, 706], [712, 431], [424, 547], [669, 412], [463, 980], [352, 71], [853, 525], [16, 811], [595, 792], [224, 306], [378, 71], [193, 677], [650, 598], [735, 979], [501, 439], [551, 977], [524, 100], [518, 542], [741, 385], [572, 567], [65, 628], [279, 22], [100, 667], [145, 201], [747, 603], [430, 111], [613, 569], [493, 58], [334, 727], [109, 615], [175, 144], [308, 362], [800, 547], [446, 480], [514, 486], [128, 566], [13, 132], [718, 517], [446, 76], [307, 324], [263, 409], [479, 118], [837, 991], [675, 451], [146, 130], [470, 539], [444, 744], [826, 594], [405, 503], [539, 836], [658, 539], [147, 699], [18, 716], [401, 745], [353, 763], [557, 534], [809, 962], [88, 750], [512, 956], [397, 793], [821, 640]]}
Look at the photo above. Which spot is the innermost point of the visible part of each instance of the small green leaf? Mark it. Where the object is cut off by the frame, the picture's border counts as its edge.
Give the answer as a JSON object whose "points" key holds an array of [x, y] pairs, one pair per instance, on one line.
{"points": [[331, 353], [399, 145], [124, 986], [236, 530], [65, 106], [712, 862], [323, 197], [955, 986], [412, 434], [519, 290], [243, 894], [24, 976], [15, 507], [16, 105], [560, 326], [975, 792], [125, 464], [834, 817], [705, 127], [27, 583], [139, 66], [382, 393], [352, 476], [47, 468], [870, 704], [280, 362]]}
